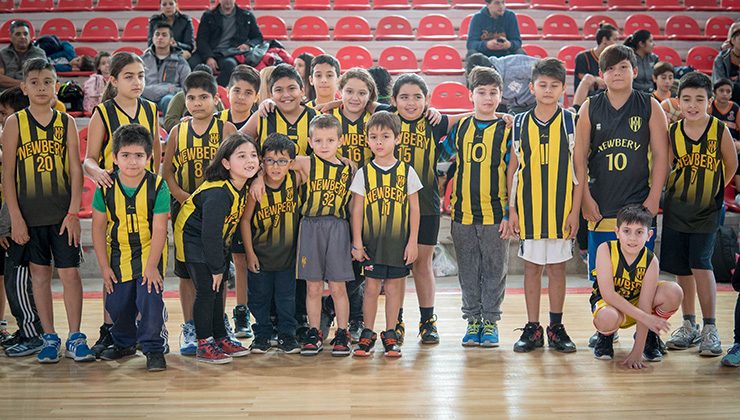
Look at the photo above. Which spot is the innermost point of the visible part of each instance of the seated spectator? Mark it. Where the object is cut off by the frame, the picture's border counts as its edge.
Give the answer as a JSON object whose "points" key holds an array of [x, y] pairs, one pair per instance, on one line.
{"points": [[727, 63], [176, 109], [587, 62], [14, 55], [642, 43], [182, 28], [516, 74], [95, 85], [166, 70], [494, 31]]}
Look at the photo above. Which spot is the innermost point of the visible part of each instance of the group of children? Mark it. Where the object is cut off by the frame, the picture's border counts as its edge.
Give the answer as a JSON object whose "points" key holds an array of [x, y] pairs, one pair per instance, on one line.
{"points": [[298, 199]]}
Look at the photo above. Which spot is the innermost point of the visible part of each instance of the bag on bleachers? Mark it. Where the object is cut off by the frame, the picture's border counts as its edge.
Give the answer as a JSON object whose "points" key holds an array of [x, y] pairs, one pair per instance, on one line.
{"points": [[70, 93], [725, 254]]}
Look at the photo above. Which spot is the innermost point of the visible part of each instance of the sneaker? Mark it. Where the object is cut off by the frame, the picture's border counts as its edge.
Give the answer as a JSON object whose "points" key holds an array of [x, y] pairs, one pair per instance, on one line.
{"points": [[50, 352], [241, 322], [274, 338], [11, 340], [472, 334], [116, 352], [230, 332], [313, 343], [558, 339], [189, 344], [77, 349], [209, 352], [532, 337], [231, 347], [604, 347], [288, 344], [155, 362], [400, 332], [651, 352], [341, 343], [355, 329], [428, 331], [366, 343], [732, 358], [260, 345], [685, 336], [105, 340], [25, 347], [593, 338], [327, 320], [710, 344], [301, 333], [390, 343], [4, 334], [489, 334]]}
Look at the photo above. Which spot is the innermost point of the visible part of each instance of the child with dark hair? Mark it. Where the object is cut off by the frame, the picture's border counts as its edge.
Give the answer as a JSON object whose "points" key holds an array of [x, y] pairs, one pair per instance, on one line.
{"points": [[587, 62], [95, 85], [663, 78], [323, 78], [724, 109], [302, 63], [642, 44], [382, 82]]}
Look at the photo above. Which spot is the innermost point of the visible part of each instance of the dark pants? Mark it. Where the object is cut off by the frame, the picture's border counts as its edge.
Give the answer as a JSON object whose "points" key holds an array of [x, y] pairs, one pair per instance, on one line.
{"points": [[265, 288], [208, 310], [301, 315], [19, 292], [355, 291], [128, 300], [225, 66]]}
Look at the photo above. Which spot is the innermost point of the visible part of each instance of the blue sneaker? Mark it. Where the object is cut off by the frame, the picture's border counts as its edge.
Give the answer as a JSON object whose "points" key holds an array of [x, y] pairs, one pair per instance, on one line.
{"points": [[50, 352], [472, 334], [25, 347], [230, 332], [489, 334], [77, 348], [732, 358], [189, 343]]}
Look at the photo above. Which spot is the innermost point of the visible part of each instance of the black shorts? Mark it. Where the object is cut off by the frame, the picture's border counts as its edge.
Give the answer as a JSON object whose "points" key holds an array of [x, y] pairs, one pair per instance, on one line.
{"points": [[383, 272], [181, 270], [237, 244], [46, 243], [428, 230], [680, 252]]}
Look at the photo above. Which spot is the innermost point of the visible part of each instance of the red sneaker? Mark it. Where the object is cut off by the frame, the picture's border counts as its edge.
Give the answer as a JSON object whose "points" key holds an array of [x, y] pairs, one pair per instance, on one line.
{"points": [[209, 352], [232, 348]]}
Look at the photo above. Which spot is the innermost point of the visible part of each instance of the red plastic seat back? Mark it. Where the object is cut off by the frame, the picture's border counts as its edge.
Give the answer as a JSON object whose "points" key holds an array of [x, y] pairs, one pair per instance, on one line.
{"points": [[633, 23], [354, 56], [591, 24], [701, 58], [398, 59], [451, 97], [394, 27], [272, 27], [310, 28], [63, 28], [352, 28], [435, 27]]}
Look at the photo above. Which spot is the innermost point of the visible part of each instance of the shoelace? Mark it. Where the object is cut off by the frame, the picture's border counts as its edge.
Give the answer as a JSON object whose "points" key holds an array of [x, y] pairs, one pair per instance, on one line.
{"points": [[682, 332], [489, 328], [364, 341], [390, 341], [473, 328], [77, 342], [229, 330]]}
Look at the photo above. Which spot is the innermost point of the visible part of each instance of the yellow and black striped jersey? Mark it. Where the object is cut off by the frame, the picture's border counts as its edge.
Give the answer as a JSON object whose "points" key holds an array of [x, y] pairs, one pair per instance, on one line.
{"points": [[275, 226], [226, 115], [627, 277], [326, 192], [276, 122], [354, 138], [193, 152], [113, 117]]}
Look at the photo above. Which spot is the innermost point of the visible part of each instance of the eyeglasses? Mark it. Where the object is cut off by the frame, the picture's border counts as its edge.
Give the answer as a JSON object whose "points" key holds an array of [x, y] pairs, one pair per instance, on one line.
{"points": [[278, 162]]}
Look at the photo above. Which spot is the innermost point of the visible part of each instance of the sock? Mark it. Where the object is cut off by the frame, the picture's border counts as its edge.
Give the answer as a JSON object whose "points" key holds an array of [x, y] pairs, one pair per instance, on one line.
{"points": [[709, 321], [556, 318], [400, 315], [690, 318], [426, 313]]}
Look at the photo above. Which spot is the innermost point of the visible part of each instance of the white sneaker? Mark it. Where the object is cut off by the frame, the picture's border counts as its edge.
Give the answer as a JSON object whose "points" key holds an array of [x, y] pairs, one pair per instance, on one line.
{"points": [[685, 336], [710, 344]]}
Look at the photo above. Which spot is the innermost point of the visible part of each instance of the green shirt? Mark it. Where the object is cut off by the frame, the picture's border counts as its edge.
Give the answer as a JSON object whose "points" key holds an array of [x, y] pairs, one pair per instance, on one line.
{"points": [[162, 205]]}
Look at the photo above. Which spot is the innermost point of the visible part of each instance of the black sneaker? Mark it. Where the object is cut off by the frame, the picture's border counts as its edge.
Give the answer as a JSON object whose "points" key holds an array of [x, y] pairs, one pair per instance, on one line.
{"points": [[105, 341], [301, 333], [288, 344], [604, 347], [115, 352], [155, 362], [400, 332], [593, 338], [651, 352], [558, 339], [260, 345], [242, 329], [427, 331], [390, 343], [25, 347], [313, 343], [366, 343], [12, 340], [341, 343], [662, 347], [532, 337], [355, 329]]}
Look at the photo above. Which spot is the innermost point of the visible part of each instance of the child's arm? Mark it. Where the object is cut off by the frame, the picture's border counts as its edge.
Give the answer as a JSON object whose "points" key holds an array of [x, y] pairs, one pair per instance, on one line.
{"points": [[168, 169], [729, 156], [156, 147], [358, 209], [511, 172], [18, 230], [659, 149], [229, 129], [71, 223], [649, 321], [252, 126], [253, 263], [95, 134], [412, 249], [99, 228], [152, 276], [589, 207]]}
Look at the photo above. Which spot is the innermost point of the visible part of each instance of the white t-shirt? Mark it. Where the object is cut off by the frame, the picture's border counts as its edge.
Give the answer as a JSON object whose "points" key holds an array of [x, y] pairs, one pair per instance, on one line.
{"points": [[413, 184]]}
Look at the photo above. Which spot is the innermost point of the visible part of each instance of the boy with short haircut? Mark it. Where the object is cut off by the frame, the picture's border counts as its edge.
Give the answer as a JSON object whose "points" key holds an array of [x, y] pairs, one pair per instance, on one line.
{"points": [[129, 233], [385, 217], [324, 77], [704, 161], [190, 148], [627, 290], [724, 109], [41, 153], [663, 74], [479, 207], [544, 202]]}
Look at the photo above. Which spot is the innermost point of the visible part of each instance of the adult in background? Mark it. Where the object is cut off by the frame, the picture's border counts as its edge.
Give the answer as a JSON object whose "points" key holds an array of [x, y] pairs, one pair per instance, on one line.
{"points": [[182, 28], [642, 44], [727, 63], [165, 69], [587, 62], [14, 55], [223, 30], [494, 31]]}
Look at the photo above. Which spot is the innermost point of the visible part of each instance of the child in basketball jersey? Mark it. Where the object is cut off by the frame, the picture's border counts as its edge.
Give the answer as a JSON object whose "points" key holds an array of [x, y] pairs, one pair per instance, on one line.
{"points": [[703, 162], [479, 207], [323, 77], [270, 243], [218, 204], [129, 233], [724, 109], [41, 154], [544, 201], [663, 79], [627, 290], [385, 224], [191, 147]]}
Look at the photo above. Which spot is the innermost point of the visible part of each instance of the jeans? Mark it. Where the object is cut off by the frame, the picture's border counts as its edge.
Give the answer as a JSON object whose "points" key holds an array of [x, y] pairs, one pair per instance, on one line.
{"points": [[266, 287], [128, 300]]}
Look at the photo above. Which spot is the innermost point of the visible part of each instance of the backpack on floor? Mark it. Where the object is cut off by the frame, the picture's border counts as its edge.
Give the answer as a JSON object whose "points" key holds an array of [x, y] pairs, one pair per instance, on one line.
{"points": [[724, 256]]}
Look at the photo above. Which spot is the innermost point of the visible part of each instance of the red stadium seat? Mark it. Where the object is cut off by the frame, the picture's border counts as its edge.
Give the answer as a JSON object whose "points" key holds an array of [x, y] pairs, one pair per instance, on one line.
{"points": [[549, 5], [271, 4], [196, 24], [465, 27], [435, 28], [591, 25], [682, 27], [82, 136], [26, 6], [352, 5], [394, 27], [586, 5], [668, 54], [272, 27], [731, 5], [535, 50], [223, 94], [100, 29], [74, 6], [196, 4], [442, 59], [635, 22], [466, 4], [137, 29], [310, 28], [63, 28], [625, 5], [7, 6], [352, 28], [701, 58], [398, 60], [717, 27], [729, 196], [451, 98], [5, 30], [307, 49], [131, 49], [113, 5], [666, 5], [527, 27], [430, 4], [89, 51], [391, 4], [88, 191], [709, 5], [559, 26], [312, 5], [148, 5], [567, 55], [354, 56]]}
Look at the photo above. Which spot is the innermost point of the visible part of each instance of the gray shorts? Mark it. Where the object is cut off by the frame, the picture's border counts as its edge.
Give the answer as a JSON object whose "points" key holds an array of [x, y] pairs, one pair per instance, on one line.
{"points": [[324, 249]]}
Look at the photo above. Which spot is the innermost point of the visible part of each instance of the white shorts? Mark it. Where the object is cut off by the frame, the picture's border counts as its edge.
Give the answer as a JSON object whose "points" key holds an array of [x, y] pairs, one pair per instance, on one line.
{"points": [[546, 251]]}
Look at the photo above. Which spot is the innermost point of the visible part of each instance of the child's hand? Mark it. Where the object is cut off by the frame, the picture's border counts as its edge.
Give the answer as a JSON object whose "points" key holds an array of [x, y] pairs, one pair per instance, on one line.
{"points": [[657, 324], [217, 281], [4, 243], [514, 229], [108, 279], [19, 231], [503, 229], [411, 252], [257, 187], [186, 118], [433, 115], [266, 107], [508, 119], [572, 223], [634, 360], [152, 278], [590, 209], [100, 176], [359, 254], [352, 165], [652, 205], [253, 263], [72, 225]]}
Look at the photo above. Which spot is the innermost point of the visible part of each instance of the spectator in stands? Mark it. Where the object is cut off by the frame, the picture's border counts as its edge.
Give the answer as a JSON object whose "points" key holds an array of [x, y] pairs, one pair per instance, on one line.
{"points": [[166, 70], [14, 55], [225, 31], [182, 28], [587, 62], [727, 63], [95, 85], [302, 63], [494, 31], [642, 43], [516, 74], [176, 109]]}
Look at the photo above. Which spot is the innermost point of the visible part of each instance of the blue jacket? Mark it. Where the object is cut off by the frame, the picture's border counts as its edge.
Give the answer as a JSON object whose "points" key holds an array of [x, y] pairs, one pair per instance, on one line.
{"points": [[484, 27]]}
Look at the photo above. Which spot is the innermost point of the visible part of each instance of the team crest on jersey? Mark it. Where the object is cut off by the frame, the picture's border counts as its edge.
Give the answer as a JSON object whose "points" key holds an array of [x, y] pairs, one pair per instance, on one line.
{"points": [[213, 139], [401, 182], [640, 272], [59, 133], [421, 126], [712, 146], [635, 123]]}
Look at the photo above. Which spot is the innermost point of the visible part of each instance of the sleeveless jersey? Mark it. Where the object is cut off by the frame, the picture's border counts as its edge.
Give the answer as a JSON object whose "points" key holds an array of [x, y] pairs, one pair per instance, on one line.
{"points": [[129, 232], [42, 169], [544, 177], [694, 191], [326, 193], [627, 277], [419, 149], [729, 118], [225, 115], [113, 117], [275, 122], [275, 226], [619, 162], [479, 192], [354, 138], [194, 152]]}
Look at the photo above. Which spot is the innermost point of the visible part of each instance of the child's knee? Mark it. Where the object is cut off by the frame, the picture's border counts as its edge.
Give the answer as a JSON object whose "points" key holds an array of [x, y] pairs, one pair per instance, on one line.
{"points": [[372, 287], [338, 289], [607, 320], [669, 294], [314, 288]]}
